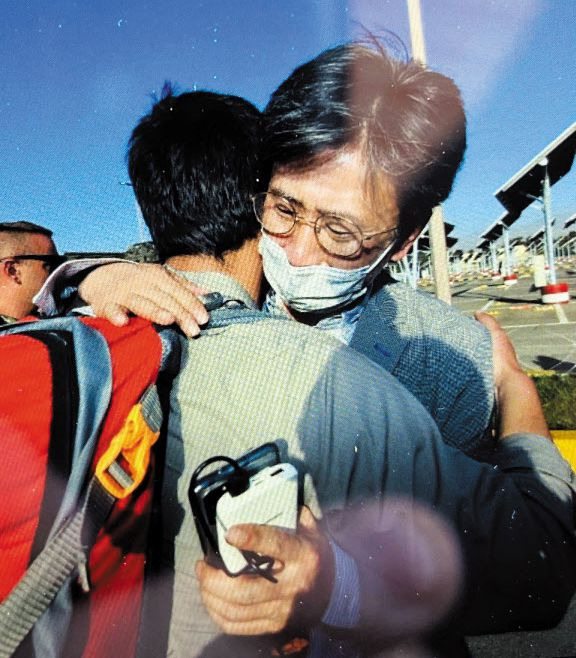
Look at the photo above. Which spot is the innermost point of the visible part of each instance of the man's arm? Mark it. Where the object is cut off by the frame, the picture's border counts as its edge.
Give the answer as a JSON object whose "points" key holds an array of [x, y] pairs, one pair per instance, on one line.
{"points": [[114, 290]]}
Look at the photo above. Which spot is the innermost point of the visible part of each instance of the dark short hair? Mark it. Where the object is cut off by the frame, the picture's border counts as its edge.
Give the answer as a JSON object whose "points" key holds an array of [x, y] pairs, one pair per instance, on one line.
{"points": [[408, 120], [193, 163], [24, 227]]}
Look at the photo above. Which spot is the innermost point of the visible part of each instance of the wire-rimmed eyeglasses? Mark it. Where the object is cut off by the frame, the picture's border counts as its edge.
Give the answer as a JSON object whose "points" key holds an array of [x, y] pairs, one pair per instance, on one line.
{"points": [[336, 235]]}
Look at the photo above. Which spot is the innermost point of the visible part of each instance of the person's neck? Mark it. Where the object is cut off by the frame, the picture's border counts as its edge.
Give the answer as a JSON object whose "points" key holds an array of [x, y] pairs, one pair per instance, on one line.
{"points": [[12, 308], [244, 265]]}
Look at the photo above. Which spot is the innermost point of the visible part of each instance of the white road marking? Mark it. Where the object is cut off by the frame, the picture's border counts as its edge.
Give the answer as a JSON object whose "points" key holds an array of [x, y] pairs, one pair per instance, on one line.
{"points": [[525, 326], [560, 313], [487, 305]]}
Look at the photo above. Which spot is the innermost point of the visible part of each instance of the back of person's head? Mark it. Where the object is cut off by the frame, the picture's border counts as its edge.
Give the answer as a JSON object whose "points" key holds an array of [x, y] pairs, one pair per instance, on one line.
{"points": [[24, 238], [407, 120], [20, 230], [193, 162]]}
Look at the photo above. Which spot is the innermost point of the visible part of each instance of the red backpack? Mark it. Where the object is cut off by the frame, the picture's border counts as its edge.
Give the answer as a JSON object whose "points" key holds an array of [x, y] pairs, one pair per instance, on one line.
{"points": [[79, 413]]}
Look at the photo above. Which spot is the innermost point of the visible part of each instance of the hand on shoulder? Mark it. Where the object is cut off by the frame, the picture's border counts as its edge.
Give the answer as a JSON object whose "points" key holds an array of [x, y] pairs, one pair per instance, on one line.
{"points": [[150, 291]]}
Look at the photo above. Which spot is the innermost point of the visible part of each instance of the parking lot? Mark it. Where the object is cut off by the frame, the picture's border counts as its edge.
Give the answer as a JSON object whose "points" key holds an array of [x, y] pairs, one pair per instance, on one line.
{"points": [[544, 335]]}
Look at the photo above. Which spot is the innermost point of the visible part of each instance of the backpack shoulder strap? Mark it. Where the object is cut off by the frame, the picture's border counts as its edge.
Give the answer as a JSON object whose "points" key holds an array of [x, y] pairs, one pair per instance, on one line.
{"points": [[235, 312], [225, 316]]}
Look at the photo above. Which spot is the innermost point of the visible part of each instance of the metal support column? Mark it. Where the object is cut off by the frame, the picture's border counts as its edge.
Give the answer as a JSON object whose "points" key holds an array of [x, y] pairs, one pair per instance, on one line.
{"points": [[415, 277], [548, 225], [437, 232], [507, 256], [494, 257]]}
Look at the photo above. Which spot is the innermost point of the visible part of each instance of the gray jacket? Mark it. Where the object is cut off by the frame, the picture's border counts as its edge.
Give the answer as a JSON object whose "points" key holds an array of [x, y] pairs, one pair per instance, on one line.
{"points": [[442, 357], [361, 435]]}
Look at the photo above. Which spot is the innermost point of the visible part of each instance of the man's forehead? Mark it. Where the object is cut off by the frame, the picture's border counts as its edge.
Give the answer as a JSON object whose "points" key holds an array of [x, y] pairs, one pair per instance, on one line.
{"points": [[350, 156], [338, 183]]}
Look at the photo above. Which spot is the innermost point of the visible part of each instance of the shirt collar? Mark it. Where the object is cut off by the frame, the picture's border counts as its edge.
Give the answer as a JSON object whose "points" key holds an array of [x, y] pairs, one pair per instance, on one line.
{"points": [[341, 325]]}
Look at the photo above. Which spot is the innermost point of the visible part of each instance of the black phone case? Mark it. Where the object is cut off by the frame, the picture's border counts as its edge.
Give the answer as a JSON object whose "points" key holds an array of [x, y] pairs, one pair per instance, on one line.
{"points": [[205, 491]]}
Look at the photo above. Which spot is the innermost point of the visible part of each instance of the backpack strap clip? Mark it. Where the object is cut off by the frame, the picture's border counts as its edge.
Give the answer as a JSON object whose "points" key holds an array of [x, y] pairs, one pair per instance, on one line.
{"points": [[124, 464]]}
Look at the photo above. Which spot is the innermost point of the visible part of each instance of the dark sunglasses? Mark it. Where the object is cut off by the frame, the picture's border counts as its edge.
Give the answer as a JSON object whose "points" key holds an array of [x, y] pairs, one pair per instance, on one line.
{"points": [[52, 260]]}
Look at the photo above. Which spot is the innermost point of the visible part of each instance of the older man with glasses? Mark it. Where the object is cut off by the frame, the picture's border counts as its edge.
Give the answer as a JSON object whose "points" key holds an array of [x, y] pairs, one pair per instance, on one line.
{"points": [[338, 237], [27, 256], [358, 148]]}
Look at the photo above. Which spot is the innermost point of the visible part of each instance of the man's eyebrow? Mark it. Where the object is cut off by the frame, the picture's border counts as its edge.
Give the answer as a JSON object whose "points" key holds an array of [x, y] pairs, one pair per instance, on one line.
{"points": [[278, 191]]}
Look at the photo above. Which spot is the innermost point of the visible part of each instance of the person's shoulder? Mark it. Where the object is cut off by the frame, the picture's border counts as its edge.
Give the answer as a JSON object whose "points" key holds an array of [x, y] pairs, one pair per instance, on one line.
{"points": [[294, 349], [423, 311], [286, 340]]}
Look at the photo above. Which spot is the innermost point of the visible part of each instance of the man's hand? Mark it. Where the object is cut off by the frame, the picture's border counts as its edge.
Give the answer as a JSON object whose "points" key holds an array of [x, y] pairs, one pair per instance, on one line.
{"points": [[252, 605], [519, 406], [149, 291]]}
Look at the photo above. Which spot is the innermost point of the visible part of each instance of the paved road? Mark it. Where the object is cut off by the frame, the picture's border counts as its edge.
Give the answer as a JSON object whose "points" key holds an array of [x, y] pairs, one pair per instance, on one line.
{"points": [[544, 335]]}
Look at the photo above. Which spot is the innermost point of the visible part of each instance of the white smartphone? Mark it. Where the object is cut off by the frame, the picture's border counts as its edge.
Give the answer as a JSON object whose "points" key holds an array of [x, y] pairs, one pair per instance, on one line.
{"points": [[271, 499]]}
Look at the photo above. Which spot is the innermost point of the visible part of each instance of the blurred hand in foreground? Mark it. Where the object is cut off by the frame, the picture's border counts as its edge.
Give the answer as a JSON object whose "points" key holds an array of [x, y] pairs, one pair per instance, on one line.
{"points": [[409, 573]]}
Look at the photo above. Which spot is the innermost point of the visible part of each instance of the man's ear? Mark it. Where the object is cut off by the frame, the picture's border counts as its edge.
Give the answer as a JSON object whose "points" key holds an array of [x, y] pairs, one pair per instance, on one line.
{"points": [[405, 246], [11, 270]]}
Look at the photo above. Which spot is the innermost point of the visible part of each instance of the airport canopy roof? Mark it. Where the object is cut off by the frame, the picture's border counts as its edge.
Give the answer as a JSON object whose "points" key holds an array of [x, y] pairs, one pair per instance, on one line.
{"points": [[558, 156], [496, 229], [536, 236], [566, 239], [448, 228], [78, 255], [472, 256], [570, 221], [469, 255], [424, 239], [424, 242]]}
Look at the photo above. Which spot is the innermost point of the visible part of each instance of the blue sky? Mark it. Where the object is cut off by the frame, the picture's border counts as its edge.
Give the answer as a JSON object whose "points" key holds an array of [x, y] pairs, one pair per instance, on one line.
{"points": [[76, 76]]}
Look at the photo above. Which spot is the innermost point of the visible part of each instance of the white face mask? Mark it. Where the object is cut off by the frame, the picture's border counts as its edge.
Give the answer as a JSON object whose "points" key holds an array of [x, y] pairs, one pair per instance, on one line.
{"points": [[313, 288]]}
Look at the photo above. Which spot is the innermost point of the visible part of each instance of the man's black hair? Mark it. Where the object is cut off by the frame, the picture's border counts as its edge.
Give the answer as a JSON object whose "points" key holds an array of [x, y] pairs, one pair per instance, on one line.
{"points": [[24, 227], [193, 163], [408, 121]]}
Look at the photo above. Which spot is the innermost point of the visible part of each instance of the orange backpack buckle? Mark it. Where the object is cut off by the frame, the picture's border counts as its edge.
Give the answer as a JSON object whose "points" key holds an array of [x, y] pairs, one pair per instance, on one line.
{"points": [[124, 464]]}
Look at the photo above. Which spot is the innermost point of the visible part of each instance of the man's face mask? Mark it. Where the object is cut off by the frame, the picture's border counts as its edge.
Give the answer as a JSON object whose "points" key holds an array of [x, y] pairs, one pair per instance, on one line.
{"points": [[314, 288]]}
